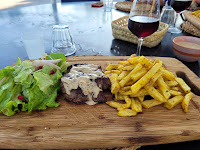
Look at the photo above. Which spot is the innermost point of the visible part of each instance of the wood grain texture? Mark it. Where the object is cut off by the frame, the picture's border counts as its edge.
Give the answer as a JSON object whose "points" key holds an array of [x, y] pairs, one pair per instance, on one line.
{"points": [[73, 126]]}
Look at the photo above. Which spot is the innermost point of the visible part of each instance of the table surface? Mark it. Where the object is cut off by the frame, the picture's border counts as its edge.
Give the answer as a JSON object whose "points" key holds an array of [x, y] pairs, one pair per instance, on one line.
{"points": [[91, 31]]}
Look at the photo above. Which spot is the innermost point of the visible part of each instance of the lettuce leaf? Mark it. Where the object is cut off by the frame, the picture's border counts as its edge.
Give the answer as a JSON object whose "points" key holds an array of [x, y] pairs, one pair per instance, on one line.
{"points": [[24, 71], [15, 106], [39, 88], [11, 94], [38, 99], [56, 56], [43, 81], [49, 100], [6, 71]]}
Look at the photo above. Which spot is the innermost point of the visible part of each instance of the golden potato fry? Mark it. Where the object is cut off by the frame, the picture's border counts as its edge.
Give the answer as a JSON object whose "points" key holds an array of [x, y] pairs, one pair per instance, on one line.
{"points": [[183, 85], [119, 97], [128, 77], [163, 87], [150, 103], [124, 63], [174, 93], [124, 93], [154, 79], [145, 62], [123, 74], [141, 92], [131, 82], [141, 98], [113, 104], [115, 87], [186, 101], [112, 71], [138, 74], [136, 105], [133, 60], [155, 85], [171, 83], [126, 88], [117, 105], [128, 68], [167, 74], [146, 78], [133, 55], [155, 94], [120, 67], [172, 102], [196, 13], [127, 113], [174, 88], [112, 67], [116, 96], [128, 101]]}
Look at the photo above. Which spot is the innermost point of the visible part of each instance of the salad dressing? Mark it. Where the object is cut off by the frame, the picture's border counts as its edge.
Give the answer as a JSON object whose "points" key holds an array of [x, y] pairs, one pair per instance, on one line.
{"points": [[83, 76]]}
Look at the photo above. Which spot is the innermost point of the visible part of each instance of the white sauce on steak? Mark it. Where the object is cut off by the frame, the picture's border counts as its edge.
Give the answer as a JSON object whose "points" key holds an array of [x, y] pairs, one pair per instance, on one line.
{"points": [[83, 76]]}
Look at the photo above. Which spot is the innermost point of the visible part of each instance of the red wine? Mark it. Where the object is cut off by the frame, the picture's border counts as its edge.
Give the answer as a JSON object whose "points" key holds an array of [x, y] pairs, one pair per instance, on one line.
{"points": [[143, 26], [180, 5]]}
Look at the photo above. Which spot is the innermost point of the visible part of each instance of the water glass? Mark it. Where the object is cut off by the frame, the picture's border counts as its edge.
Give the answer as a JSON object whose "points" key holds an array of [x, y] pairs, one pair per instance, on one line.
{"points": [[168, 16], [108, 4], [34, 45], [62, 41]]}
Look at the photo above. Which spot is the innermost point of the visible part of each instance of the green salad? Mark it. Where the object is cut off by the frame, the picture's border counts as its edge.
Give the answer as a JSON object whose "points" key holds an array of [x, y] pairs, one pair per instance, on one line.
{"points": [[31, 85]]}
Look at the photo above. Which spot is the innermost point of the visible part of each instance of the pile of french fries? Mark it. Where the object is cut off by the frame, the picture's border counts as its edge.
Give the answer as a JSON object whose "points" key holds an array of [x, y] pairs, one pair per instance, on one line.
{"points": [[196, 13], [139, 82]]}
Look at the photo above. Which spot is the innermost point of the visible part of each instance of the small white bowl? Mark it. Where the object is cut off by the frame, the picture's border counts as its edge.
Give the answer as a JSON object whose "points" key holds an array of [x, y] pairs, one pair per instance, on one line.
{"points": [[186, 52]]}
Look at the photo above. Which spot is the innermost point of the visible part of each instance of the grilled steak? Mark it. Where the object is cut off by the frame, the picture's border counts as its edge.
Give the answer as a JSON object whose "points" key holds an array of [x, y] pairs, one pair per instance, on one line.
{"points": [[86, 83]]}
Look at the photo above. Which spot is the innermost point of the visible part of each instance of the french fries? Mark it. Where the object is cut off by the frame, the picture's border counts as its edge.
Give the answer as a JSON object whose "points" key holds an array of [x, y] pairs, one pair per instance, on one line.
{"points": [[146, 78], [134, 80], [127, 113], [173, 101], [186, 101], [136, 105], [150, 103], [183, 85], [196, 13], [163, 87]]}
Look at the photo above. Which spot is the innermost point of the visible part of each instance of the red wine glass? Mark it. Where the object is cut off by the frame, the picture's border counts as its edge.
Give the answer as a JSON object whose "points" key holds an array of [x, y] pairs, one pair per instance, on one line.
{"points": [[144, 19], [178, 6]]}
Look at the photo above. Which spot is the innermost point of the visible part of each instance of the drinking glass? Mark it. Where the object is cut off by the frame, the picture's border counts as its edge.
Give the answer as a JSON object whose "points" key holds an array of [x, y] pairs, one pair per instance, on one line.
{"points": [[107, 5], [168, 16], [178, 6], [62, 41], [34, 45], [144, 19]]}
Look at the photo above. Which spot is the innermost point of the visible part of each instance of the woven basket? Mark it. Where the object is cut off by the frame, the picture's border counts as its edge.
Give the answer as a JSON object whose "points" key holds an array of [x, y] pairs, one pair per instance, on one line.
{"points": [[192, 25], [190, 28], [121, 31], [124, 6]]}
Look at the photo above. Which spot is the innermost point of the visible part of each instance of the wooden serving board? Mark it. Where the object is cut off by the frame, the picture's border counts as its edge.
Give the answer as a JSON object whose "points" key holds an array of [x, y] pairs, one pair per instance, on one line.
{"points": [[73, 126]]}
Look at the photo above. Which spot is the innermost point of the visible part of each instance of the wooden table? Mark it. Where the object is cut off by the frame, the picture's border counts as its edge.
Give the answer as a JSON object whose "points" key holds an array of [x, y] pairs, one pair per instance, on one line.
{"points": [[91, 31]]}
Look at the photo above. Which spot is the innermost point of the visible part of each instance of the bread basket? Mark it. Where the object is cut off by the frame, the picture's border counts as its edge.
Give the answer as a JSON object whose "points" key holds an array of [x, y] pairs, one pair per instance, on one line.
{"points": [[120, 31], [192, 25], [123, 6]]}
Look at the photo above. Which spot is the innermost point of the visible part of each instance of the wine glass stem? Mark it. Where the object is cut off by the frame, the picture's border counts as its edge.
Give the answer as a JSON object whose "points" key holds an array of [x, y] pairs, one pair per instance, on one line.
{"points": [[140, 41]]}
